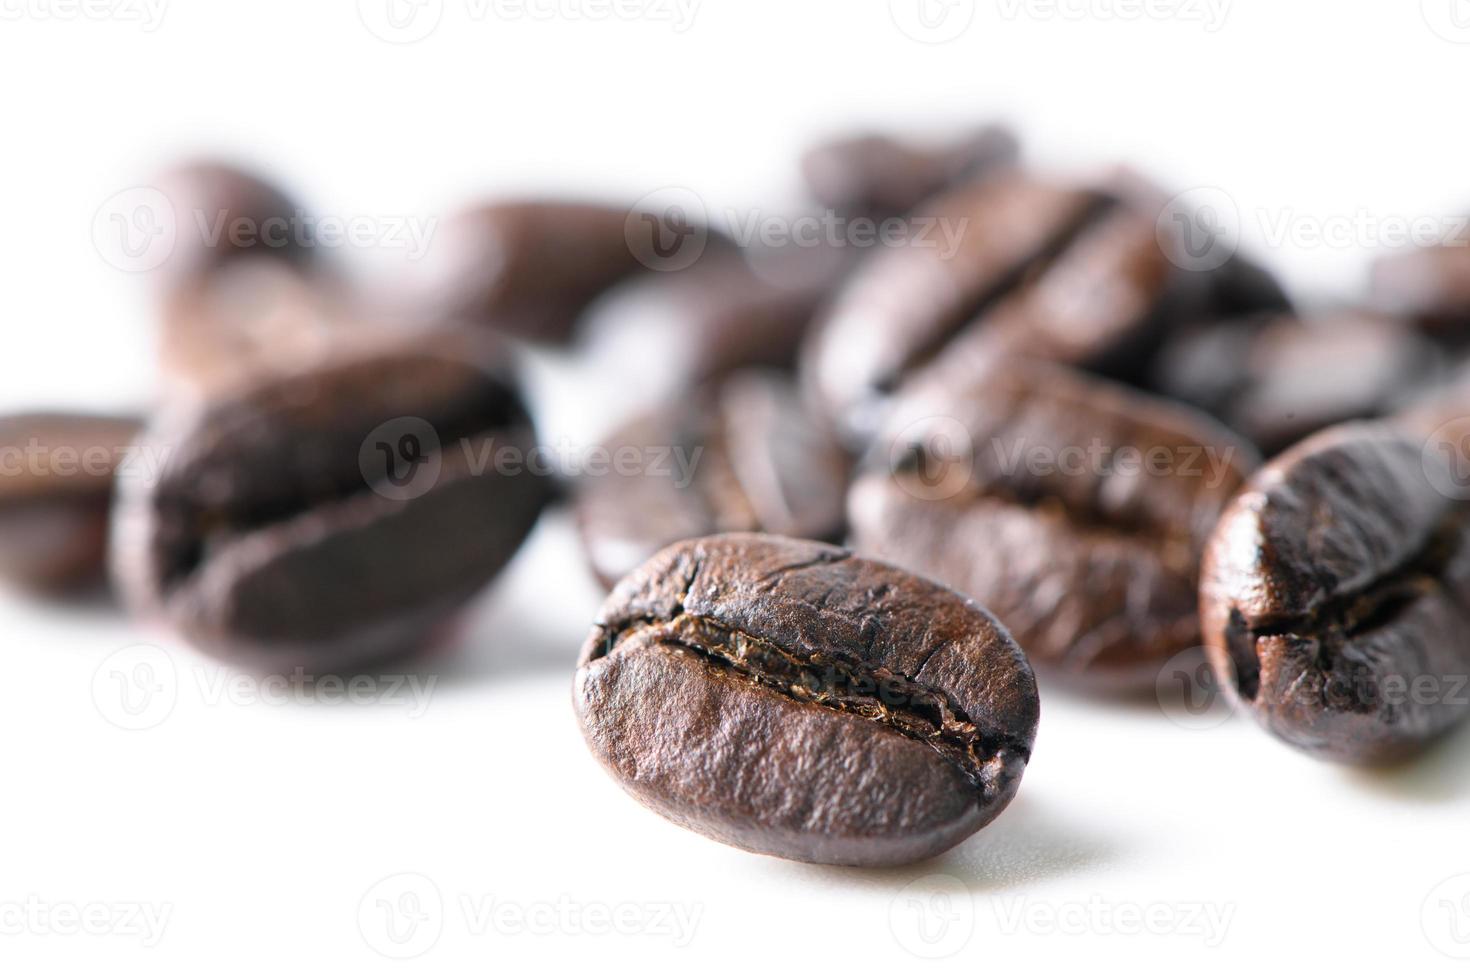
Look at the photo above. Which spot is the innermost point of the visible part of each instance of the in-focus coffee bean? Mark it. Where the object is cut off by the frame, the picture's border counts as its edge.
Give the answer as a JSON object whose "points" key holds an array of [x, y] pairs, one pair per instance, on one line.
{"points": [[791, 699], [336, 517], [1335, 596], [1073, 508], [877, 176], [56, 482], [740, 455]]}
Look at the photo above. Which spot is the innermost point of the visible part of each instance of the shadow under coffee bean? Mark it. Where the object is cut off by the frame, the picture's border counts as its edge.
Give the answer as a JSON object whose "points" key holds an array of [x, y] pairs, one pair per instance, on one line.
{"points": [[789, 698], [336, 517], [1335, 597]]}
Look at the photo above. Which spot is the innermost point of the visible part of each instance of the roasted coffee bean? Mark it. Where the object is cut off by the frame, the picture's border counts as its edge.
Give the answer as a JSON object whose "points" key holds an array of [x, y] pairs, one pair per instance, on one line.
{"points": [[220, 212], [1041, 269], [1277, 380], [251, 318], [729, 311], [56, 479], [1335, 596], [791, 699], [332, 518], [1073, 508], [1430, 286], [1242, 287], [742, 455], [530, 268], [876, 176]]}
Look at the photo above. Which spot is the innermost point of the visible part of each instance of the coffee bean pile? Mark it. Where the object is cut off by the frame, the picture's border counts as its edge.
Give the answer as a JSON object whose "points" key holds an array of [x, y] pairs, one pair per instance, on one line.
{"points": [[1009, 419]]}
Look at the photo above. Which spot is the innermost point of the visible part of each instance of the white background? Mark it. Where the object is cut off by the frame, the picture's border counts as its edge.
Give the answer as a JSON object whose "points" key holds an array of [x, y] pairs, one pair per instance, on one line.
{"points": [[263, 831]]}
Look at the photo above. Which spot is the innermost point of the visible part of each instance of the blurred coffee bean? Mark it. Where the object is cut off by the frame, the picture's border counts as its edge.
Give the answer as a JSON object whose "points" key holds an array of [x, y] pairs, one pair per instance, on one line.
{"points": [[1073, 508], [56, 480], [1277, 380], [1335, 596], [876, 176], [251, 318], [1236, 285], [335, 517], [1430, 286], [731, 310], [1242, 287], [905, 305], [221, 212], [740, 455], [1067, 273], [530, 268]]}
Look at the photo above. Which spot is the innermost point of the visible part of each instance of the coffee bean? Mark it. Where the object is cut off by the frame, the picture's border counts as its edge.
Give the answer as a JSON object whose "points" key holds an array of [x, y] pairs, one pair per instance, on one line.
{"points": [[530, 268], [56, 479], [791, 699], [221, 213], [742, 455], [1041, 269], [1430, 286], [1074, 509], [729, 311], [876, 176], [1277, 380], [1242, 287], [250, 318], [1335, 596], [336, 517]]}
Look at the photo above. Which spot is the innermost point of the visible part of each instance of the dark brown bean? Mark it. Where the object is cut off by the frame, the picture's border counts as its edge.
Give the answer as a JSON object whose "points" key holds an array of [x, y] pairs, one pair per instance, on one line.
{"points": [[531, 268], [334, 517], [742, 455], [877, 176], [788, 698], [729, 311], [1073, 508], [1335, 596], [1277, 380], [222, 212], [1430, 286], [56, 480], [248, 319], [1083, 275]]}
